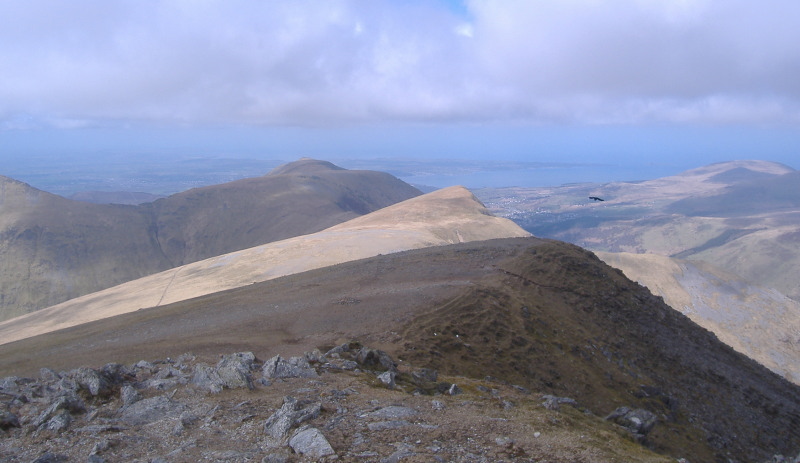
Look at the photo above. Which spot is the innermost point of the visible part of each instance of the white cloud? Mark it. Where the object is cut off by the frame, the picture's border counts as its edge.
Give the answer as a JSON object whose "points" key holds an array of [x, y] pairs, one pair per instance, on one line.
{"points": [[348, 61]]}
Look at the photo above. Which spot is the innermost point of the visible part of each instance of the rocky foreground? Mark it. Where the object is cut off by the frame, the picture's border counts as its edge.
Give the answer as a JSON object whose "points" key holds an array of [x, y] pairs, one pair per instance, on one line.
{"points": [[350, 404]]}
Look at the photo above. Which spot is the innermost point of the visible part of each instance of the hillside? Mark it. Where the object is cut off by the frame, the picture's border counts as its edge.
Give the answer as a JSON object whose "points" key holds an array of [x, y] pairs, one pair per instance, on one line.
{"points": [[740, 216], [756, 321], [53, 249], [544, 315], [447, 216]]}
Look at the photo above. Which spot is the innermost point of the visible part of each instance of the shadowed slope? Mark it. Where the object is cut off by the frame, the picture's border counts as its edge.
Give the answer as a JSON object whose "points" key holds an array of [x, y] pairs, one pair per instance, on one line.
{"points": [[298, 198], [53, 249], [445, 216], [758, 322], [546, 315]]}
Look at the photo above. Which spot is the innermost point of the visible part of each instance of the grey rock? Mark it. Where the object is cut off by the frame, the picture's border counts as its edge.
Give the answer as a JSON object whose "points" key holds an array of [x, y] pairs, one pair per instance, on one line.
{"points": [[338, 350], [310, 442], [91, 381], [129, 395], [234, 370], [454, 390], [206, 377], [437, 405], [292, 413], [349, 365], [58, 422], [169, 372], [387, 378], [638, 421], [68, 402], [392, 412], [161, 384], [315, 356], [294, 367], [150, 410]]}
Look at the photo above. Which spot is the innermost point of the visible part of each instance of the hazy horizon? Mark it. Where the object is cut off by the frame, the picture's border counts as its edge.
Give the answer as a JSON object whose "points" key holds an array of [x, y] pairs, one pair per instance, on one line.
{"points": [[614, 83]]}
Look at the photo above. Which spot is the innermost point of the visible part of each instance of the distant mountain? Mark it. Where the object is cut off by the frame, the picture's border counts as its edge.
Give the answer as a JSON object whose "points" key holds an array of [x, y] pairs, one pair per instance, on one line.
{"points": [[298, 198], [53, 249], [756, 321], [451, 215], [547, 316], [740, 216]]}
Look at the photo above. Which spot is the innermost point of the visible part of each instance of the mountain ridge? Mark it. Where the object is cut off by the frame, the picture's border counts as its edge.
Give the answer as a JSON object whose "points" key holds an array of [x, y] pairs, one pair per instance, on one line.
{"points": [[451, 215], [546, 315]]}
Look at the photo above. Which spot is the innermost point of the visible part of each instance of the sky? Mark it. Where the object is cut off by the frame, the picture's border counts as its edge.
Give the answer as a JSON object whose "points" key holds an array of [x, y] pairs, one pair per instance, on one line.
{"points": [[672, 82]]}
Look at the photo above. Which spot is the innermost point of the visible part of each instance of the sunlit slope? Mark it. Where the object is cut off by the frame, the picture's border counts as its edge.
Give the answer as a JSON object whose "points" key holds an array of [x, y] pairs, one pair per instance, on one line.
{"points": [[756, 321], [445, 216], [740, 216]]}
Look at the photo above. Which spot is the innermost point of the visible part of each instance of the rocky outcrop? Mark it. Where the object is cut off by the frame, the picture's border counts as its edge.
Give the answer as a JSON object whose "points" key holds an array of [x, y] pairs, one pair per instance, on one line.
{"points": [[278, 411]]}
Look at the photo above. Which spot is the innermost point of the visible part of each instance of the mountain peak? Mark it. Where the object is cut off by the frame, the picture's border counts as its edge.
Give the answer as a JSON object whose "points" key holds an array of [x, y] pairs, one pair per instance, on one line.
{"points": [[304, 166]]}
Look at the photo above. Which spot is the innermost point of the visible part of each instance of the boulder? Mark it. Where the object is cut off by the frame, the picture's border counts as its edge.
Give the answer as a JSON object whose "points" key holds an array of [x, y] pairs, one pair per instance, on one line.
{"points": [[68, 402], [234, 370], [128, 394], [292, 413], [294, 367], [206, 377], [387, 378], [311, 443], [91, 381]]}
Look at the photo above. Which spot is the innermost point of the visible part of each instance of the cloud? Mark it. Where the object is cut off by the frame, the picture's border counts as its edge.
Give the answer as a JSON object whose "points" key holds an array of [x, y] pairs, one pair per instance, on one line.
{"points": [[305, 62]]}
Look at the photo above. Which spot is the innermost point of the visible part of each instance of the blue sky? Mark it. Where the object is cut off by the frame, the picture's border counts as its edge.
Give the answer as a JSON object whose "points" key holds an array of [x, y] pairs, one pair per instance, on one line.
{"points": [[678, 82]]}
